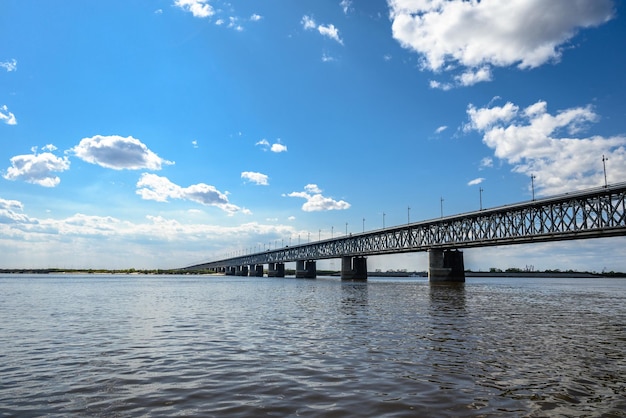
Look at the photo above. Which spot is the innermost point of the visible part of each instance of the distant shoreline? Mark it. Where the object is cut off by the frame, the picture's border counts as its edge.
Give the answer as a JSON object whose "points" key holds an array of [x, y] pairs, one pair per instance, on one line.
{"points": [[522, 274]]}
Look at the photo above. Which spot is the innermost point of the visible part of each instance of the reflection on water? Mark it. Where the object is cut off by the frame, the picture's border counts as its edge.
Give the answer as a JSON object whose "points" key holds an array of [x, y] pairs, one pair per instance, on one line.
{"points": [[163, 346]]}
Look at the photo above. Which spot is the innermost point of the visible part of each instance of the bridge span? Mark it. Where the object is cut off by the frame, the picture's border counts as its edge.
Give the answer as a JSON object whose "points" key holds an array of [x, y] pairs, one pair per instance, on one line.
{"points": [[592, 213]]}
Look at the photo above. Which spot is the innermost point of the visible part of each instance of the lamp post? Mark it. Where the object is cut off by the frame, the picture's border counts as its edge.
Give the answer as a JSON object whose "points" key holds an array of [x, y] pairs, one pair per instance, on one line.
{"points": [[481, 197], [408, 215], [363, 224], [383, 220], [332, 231], [441, 202], [532, 184], [604, 160], [346, 229]]}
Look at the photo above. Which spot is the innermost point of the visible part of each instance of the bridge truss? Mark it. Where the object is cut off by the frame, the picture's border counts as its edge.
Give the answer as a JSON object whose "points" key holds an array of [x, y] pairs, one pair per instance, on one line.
{"points": [[594, 213]]}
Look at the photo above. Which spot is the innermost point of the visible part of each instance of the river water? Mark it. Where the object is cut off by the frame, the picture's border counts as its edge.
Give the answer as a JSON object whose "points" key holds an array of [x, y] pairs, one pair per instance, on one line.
{"points": [[133, 346]]}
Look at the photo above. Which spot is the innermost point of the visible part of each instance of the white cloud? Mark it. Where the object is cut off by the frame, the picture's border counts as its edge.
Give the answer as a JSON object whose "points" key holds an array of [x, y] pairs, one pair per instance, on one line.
{"points": [[346, 5], [308, 22], [9, 65], [278, 147], [37, 168], [255, 17], [118, 153], [312, 188], [475, 181], [110, 242], [440, 129], [550, 147], [471, 76], [478, 35], [194, 143], [6, 116], [160, 189], [486, 162], [315, 202], [329, 31], [256, 178], [198, 8], [158, 12], [327, 58], [275, 147], [233, 23]]}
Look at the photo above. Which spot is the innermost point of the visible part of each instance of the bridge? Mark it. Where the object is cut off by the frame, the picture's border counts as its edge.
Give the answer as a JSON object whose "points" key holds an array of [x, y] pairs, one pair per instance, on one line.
{"points": [[592, 213]]}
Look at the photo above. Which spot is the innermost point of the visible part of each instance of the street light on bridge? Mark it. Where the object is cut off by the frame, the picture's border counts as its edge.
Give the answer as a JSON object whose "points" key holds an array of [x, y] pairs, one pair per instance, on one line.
{"points": [[604, 160], [532, 183]]}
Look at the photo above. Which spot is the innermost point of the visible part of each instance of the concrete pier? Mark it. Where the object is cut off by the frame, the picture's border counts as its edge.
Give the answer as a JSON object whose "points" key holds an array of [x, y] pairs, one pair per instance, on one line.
{"points": [[353, 268], [276, 270], [306, 269], [445, 266], [256, 270]]}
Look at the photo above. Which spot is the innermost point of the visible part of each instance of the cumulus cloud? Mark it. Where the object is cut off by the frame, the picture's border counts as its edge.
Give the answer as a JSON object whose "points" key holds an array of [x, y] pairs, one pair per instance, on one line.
{"points": [[479, 35], [255, 17], [440, 129], [37, 168], [329, 31], [275, 147], [6, 116], [475, 181], [552, 147], [9, 65], [118, 153], [198, 8], [256, 178], [160, 189], [316, 202]]}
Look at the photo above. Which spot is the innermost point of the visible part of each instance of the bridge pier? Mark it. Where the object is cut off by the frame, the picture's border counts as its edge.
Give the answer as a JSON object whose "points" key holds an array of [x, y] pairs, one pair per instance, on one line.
{"points": [[276, 270], [242, 271], [306, 269], [445, 266], [256, 270], [353, 268]]}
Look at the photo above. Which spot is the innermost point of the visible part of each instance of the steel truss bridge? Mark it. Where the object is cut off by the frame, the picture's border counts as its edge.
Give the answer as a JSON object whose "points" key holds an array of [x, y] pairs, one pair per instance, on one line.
{"points": [[593, 213]]}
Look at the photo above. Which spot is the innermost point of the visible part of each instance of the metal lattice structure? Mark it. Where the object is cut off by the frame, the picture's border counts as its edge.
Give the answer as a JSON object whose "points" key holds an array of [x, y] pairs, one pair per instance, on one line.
{"points": [[587, 214]]}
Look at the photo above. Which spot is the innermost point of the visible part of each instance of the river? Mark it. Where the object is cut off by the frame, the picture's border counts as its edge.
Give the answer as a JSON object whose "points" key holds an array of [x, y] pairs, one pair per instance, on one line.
{"points": [[160, 346]]}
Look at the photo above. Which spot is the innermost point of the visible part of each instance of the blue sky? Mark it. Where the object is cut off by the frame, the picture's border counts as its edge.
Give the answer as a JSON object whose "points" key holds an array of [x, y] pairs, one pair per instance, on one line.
{"points": [[161, 133]]}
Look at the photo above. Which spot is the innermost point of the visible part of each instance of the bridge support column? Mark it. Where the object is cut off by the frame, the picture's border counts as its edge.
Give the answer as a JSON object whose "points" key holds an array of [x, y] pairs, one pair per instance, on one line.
{"points": [[446, 266], [306, 269], [276, 270], [242, 271], [258, 270], [231, 271], [353, 268]]}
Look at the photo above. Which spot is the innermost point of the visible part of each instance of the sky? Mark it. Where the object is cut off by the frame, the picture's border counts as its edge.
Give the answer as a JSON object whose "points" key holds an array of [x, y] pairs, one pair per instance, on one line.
{"points": [[165, 133]]}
